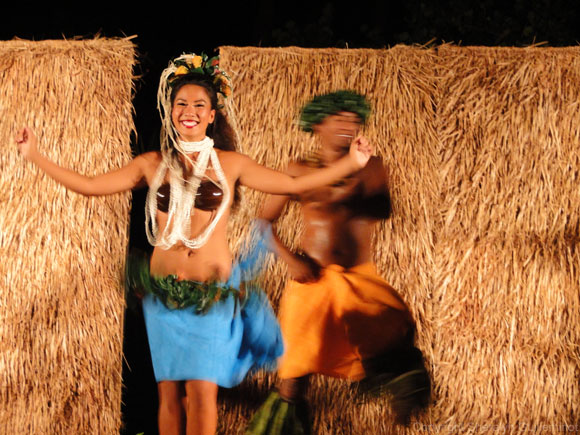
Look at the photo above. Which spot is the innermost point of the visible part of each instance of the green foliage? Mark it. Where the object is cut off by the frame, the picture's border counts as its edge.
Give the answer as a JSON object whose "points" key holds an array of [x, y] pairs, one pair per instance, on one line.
{"points": [[322, 106], [175, 293], [378, 24], [279, 417]]}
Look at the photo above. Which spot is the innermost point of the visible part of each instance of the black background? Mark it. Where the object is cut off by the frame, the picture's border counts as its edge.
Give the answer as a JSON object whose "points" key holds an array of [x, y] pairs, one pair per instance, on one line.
{"points": [[167, 29]]}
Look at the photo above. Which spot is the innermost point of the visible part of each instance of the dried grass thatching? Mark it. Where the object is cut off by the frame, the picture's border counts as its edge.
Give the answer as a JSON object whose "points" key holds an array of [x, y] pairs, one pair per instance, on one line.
{"points": [[61, 295], [483, 148]]}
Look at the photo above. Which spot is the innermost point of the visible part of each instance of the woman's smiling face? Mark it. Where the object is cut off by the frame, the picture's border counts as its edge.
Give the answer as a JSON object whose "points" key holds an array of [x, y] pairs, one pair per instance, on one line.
{"points": [[192, 112]]}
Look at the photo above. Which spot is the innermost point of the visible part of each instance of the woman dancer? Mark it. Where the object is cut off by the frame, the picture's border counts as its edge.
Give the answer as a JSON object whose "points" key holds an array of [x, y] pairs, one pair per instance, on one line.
{"points": [[199, 336]]}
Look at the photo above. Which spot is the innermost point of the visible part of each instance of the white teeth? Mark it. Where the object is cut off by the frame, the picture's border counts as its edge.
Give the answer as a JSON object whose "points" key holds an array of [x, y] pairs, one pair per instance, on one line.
{"points": [[344, 135], [189, 123]]}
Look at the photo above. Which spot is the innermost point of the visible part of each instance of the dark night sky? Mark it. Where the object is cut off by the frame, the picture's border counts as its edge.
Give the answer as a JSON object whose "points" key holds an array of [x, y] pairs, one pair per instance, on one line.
{"points": [[168, 29]]}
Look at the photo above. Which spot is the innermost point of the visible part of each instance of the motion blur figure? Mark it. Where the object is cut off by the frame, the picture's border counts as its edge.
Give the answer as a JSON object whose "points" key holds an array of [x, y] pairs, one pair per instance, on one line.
{"points": [[339, 317]]}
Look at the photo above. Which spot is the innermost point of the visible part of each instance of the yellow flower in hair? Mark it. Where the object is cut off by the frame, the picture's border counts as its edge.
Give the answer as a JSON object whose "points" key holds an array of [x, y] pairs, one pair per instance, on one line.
{"points": [[196, 61], [224, 84], [181, 71]]}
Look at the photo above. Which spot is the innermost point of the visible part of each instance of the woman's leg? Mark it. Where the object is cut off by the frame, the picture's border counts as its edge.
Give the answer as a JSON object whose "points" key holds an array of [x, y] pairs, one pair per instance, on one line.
{"points": [[171, 417], [201, 407]]}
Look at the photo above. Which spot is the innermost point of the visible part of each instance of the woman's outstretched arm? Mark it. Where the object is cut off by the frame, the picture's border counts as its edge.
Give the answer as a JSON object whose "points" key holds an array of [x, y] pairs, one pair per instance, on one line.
{"points": [[120, 180], [270, 181]]}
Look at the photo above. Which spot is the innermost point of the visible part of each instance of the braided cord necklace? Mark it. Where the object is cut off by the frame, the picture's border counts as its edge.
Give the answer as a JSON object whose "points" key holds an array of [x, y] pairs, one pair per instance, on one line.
{"points": [[182, 197]]}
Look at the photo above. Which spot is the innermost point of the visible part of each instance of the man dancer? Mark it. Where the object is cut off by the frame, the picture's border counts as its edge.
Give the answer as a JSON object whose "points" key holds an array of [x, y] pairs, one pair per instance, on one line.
{"points": [[338, 316]]}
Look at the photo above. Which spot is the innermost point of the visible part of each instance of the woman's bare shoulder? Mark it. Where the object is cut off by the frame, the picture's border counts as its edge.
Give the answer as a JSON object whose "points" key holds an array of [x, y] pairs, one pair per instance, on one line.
{"points": [[229, 155], [148, 162], [232, 159], [152, 157]]}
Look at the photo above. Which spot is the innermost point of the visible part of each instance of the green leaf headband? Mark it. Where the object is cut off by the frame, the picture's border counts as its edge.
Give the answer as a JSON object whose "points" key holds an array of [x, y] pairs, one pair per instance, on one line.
{"points": [[325, 105]]}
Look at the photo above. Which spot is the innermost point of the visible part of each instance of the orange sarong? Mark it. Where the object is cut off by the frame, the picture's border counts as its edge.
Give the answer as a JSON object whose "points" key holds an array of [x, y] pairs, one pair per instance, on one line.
{"points": [[332, 325]]}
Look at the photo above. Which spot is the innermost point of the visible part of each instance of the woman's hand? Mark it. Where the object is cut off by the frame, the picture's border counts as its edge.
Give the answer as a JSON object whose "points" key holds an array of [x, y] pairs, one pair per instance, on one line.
{"points": [[258, 177], [132, 175], [27, 143], [360, 151]]}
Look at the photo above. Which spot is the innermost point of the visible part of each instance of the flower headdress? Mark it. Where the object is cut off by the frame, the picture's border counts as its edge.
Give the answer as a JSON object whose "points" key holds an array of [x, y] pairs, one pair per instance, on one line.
{"points": [[322, 106], [199, 64], [182, 66], [202, 64]]}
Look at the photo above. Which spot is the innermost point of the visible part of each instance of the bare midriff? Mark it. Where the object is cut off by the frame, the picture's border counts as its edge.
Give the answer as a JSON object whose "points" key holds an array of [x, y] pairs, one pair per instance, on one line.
{"points": [[212, 261]]}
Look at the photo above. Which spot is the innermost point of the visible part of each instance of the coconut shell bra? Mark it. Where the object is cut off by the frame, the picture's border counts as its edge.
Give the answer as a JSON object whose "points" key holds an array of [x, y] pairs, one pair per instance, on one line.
{"points": [[208, 198]]}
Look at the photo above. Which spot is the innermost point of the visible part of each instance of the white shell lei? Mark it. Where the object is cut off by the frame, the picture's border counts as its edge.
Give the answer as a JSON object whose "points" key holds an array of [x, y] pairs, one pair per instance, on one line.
{"points": [[182, 198]]}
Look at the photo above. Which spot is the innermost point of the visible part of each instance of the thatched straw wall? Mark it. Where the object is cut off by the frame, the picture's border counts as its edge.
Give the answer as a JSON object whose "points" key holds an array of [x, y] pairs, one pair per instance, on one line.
{"points": [[61, 294], [483, 148]]}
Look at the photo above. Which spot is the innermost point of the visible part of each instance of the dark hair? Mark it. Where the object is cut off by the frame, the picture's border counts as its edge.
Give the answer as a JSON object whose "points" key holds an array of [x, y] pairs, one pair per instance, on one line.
{"points": [[220, 129]]}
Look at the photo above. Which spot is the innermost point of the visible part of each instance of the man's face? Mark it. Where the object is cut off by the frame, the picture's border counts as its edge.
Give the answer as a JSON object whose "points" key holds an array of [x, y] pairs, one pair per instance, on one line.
{"points": [[338, 131]]}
